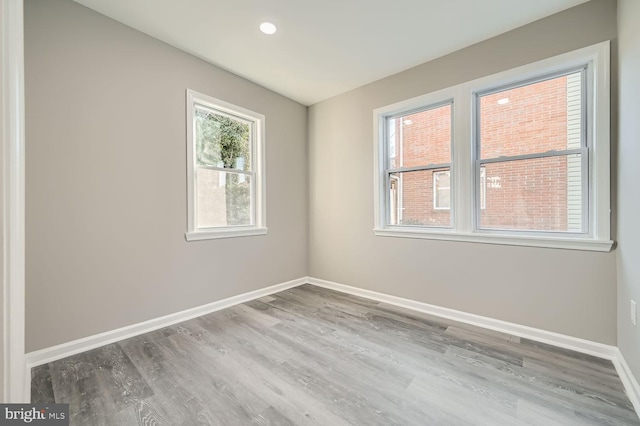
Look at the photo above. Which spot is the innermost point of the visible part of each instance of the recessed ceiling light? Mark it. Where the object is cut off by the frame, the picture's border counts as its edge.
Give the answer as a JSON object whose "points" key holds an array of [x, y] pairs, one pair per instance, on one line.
{"points": [[503, 101], [268, 28]]}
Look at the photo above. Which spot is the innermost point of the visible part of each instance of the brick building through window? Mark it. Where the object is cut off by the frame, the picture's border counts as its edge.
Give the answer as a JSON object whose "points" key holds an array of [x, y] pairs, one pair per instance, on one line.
{"points": [[542, 193]]}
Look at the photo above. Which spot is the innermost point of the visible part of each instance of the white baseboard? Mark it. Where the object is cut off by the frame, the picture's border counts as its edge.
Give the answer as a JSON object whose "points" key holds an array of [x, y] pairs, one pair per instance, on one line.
{"points": [[628, 380], [43, 356]]}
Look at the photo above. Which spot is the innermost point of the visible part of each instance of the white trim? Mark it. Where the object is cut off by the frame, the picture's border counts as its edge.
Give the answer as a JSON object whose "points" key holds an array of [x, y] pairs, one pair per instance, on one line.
{"points": [[551, 338], [463, 178], [64, 350], [489, 238], [258, 193], [224, 233], [13, 168], [628, 380]]}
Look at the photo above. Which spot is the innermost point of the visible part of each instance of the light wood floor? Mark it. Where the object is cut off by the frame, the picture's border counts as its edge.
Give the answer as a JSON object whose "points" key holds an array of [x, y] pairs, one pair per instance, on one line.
{"points": [[314, 356]]}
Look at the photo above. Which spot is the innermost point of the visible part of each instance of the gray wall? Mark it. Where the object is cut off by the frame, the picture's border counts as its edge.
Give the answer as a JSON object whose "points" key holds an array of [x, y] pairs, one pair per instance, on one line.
{"points": [[569, 292], [629, 179], [106, 180], [106, 188]]}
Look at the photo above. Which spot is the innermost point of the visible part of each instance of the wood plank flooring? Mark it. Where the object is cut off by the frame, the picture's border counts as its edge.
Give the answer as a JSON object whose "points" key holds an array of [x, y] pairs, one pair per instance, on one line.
{"points": [[311, 356]]}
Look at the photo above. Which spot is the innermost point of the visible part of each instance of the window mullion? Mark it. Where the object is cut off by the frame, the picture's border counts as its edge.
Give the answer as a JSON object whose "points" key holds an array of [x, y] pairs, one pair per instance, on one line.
{"points": [[462, 177]]}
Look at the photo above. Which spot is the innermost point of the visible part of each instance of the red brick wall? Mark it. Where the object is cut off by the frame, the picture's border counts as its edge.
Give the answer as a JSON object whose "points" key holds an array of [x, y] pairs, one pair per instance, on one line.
{"points": [[426, 140], [532, 193], [529, 194]]}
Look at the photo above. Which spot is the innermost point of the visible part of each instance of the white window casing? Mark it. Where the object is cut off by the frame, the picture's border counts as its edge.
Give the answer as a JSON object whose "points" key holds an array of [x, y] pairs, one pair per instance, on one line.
{"points": [[594, 235], [254, 172]]}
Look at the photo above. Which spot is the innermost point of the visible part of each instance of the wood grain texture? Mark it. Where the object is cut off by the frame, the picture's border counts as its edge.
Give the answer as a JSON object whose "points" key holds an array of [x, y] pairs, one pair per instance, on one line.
{"points": [[312, 356]]}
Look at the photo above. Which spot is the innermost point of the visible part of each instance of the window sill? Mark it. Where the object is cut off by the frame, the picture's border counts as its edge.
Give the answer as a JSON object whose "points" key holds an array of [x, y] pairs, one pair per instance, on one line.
{"points": [[509, 240], [224, 233]]}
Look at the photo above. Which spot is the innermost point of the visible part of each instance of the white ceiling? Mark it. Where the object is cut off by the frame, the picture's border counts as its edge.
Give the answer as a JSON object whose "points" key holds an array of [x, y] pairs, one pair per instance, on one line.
{"points": [[323, 48]]}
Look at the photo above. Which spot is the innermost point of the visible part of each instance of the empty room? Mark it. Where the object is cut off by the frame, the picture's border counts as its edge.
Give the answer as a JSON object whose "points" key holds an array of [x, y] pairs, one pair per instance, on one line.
{"points": [[281, 212]]}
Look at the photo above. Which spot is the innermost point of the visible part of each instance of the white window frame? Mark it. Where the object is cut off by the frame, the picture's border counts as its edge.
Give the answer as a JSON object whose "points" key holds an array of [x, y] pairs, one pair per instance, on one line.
{"points": [[464, 171], [258, 211], [583, 150], [387, 170]]}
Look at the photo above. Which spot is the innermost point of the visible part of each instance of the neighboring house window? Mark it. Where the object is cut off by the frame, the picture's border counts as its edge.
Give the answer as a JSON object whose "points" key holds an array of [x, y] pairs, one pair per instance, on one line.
{"points": [[442, 190], [483, 187], [524, 162], [224, 169]]}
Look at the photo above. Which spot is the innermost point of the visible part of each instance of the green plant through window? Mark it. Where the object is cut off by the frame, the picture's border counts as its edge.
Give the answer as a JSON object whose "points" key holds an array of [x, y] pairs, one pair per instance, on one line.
{"points": [[224, 143]]}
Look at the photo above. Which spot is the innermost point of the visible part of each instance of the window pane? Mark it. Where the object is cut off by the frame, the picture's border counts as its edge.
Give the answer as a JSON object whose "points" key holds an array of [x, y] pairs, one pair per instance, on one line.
{"points": [[412, 198], [535, 118], [541, 194], [223, 199], [421, 138], [221, 141]]}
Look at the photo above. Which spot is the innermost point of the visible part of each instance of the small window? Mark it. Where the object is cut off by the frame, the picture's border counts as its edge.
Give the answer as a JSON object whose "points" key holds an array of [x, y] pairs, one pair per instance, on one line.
{"points": [[483, 187], [225, 145], [442, 190]]}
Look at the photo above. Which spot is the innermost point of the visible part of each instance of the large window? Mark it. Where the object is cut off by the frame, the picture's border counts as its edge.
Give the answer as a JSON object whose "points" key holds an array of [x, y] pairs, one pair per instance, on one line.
{"points": [[521, 157], [225, 193]]}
